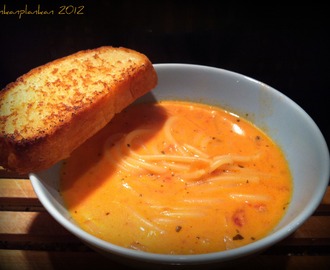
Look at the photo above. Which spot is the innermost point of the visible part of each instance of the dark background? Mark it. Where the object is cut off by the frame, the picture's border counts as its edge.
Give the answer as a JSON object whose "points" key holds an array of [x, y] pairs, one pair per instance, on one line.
{"points": [[284, 46]]}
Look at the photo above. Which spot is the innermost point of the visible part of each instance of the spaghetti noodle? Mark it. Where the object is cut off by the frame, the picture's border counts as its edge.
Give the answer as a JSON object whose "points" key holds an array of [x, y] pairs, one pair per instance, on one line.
{"points": [[177, 178]]}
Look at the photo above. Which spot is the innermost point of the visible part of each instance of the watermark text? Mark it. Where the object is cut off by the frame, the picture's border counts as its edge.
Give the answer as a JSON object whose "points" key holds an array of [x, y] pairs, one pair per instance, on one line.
{"points": [[40, 11]]}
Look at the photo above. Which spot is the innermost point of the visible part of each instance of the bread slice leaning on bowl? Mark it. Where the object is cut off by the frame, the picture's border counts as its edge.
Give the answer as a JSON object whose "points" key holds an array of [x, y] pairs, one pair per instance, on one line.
{"points": [[51, 110]]}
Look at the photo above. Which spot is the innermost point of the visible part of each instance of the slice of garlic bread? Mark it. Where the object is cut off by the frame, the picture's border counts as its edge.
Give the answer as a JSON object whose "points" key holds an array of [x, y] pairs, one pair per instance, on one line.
{"points": [[51, 110]]}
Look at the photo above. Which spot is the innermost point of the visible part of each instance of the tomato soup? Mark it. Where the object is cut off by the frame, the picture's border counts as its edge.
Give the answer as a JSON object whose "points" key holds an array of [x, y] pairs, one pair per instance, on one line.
{"points": [[177, 178]]}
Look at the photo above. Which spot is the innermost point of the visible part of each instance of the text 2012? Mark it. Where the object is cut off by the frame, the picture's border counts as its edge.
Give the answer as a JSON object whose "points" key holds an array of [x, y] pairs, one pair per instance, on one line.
{"points": [[71, 10]]}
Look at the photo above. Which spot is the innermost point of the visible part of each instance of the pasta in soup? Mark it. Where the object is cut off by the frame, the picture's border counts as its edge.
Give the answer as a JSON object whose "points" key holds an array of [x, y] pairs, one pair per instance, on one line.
{"points": [[177, 177]]}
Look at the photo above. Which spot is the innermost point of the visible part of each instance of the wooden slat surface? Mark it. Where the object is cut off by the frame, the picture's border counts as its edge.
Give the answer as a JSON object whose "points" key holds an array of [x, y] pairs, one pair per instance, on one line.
{"points": [[31, 239]]}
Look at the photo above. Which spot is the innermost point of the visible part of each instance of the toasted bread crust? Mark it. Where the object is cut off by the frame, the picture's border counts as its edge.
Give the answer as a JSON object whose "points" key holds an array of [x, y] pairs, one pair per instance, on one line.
{"points": [[51, 110]]}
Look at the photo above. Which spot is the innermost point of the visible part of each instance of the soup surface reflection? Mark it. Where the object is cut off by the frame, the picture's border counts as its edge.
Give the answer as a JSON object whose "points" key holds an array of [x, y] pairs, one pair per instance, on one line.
{"points": [[177, 178]]}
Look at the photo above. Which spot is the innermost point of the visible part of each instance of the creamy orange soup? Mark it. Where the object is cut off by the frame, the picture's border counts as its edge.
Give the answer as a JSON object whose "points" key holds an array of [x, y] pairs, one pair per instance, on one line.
{"points": [[177, 178]]}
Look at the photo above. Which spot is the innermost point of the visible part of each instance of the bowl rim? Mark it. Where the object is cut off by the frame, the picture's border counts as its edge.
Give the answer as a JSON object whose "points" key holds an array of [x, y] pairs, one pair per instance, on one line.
{"points": [[222, 256]]}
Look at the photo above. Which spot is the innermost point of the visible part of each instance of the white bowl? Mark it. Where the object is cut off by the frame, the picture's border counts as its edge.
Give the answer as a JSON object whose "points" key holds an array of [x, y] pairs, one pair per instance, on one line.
{"points": [[287, 123]]}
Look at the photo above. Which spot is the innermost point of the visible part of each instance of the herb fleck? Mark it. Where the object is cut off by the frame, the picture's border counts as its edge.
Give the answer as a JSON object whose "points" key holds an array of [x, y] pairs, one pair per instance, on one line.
{"points": [[178, 228], [238, 237]]}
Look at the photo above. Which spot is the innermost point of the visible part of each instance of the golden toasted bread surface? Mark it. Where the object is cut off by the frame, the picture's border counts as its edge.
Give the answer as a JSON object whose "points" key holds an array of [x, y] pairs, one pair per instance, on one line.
{"points": [[48, 112]]}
